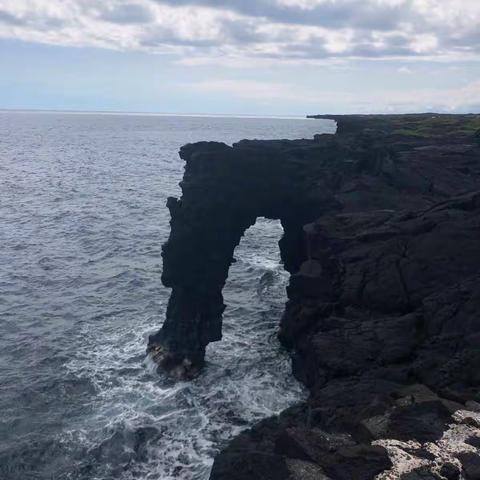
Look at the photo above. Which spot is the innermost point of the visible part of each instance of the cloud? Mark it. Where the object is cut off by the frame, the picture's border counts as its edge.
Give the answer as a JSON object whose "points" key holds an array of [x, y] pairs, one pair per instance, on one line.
{"points": [[239, 31], [129, 13], [328, 13], [9, 19], [459, 100], [20, 19]]}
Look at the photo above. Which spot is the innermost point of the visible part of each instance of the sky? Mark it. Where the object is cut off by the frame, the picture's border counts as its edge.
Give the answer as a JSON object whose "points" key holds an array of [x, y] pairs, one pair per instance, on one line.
{"points": [[260, 57]]}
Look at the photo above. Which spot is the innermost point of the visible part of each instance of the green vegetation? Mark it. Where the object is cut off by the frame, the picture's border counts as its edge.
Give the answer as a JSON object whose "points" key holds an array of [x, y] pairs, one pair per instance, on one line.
{"points": [[415, 126], [427, 126]]}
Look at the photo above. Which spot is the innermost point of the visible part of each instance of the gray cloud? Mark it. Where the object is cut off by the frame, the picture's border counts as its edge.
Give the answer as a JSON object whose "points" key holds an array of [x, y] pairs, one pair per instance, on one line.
{"points": [[348, 13], [129, 13], [9, 19], [166, 37], [40, 22], [362, 17], [242, 32], [467, 41], [363, 46], [254, 28]]}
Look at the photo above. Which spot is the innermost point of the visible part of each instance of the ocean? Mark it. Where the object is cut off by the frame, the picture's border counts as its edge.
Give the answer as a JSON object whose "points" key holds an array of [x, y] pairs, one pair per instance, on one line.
{"points": [[83, 218]]}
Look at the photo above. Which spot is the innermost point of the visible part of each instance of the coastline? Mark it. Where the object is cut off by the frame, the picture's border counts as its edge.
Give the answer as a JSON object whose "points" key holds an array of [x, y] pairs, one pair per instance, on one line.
{"points": [[381, 320]]}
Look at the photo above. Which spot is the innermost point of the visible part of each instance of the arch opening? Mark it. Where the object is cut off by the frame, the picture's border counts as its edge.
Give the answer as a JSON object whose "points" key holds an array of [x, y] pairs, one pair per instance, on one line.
{"points": [[257, 279], [254, 293]]}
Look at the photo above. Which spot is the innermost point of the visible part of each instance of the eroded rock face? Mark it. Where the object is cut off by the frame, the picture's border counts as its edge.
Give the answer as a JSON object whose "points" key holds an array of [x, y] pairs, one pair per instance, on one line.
{"points": [[224, 190], [382, 230], [389, 293]]}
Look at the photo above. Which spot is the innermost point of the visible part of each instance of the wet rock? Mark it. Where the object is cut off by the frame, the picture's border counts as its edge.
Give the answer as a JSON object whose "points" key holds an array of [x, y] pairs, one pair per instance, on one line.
{"points": [[450, 471], [423, 422], [473, 441], [421, 474], [254, 466], [471, 465], [310, 444], [362, 462], [337, 455]]}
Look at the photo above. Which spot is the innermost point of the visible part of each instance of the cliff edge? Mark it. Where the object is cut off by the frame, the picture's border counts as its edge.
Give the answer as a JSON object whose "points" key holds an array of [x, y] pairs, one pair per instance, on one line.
{"points": [[381, 238]]}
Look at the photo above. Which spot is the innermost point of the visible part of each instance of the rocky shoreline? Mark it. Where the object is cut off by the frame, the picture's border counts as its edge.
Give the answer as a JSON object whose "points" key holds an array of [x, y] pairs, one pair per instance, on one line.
{"points": [[381, 238]]}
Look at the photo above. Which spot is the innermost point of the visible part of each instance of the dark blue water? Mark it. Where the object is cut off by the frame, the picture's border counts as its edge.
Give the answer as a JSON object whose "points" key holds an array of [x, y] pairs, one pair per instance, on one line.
{"points": [[82, 222]]}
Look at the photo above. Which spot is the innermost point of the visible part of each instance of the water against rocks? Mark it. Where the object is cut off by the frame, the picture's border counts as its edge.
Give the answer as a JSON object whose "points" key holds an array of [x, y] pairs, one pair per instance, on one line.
{"points": [[82, 209]]}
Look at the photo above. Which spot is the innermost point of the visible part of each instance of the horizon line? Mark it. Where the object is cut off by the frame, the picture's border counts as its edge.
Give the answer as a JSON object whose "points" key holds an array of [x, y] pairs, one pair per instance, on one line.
{"points": [[153, 114]]}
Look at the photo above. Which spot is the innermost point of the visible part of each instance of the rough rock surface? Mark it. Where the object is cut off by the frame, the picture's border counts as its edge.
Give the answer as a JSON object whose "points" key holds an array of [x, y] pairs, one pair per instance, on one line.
{"points": [[381, 237]]}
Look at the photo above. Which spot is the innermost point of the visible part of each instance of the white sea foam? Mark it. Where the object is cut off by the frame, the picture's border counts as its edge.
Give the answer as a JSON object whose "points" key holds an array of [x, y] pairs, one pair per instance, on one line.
{"points": [[247, 377]]}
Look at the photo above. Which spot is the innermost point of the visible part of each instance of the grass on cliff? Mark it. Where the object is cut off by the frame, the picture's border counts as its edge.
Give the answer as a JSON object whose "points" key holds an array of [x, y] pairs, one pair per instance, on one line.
{"points": [[437, 126]]}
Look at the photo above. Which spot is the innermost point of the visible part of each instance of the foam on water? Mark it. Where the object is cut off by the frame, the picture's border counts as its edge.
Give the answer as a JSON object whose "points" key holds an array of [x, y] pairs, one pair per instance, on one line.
{"points": [[151, 428], [84, 219]]}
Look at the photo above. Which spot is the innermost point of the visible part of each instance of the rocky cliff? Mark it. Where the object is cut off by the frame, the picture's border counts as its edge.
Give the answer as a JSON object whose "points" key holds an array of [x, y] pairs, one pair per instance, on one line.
{"points": [[381, 238]]}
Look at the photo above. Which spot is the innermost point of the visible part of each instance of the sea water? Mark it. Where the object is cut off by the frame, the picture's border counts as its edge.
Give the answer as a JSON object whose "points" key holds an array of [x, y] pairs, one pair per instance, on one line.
{"points": [[83, 218]]}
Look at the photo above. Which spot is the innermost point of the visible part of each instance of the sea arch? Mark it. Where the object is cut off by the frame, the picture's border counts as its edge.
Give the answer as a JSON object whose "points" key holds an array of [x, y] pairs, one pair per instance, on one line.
{"points": [[224, 190]]}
